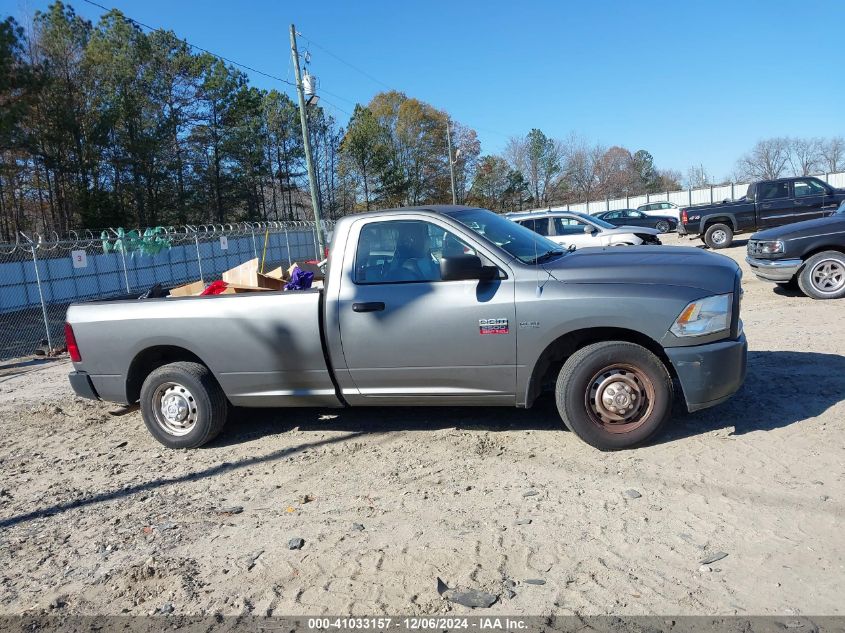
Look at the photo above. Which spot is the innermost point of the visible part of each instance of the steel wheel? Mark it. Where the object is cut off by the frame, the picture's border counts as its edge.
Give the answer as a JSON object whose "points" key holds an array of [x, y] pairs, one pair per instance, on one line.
{"points": [[662, 226], [828, 276], [719, 237], [614, 394], [619, 398], [175, 409]]}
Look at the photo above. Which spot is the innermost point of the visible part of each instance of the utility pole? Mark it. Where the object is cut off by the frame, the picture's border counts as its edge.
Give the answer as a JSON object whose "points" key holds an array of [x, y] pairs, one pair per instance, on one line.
{"points": [[451, 162], [306, 142]]}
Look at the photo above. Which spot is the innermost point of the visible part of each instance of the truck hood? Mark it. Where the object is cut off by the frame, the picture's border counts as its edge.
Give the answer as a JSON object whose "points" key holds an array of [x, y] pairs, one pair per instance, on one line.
{"points": [[673, 266], [807, 228]]}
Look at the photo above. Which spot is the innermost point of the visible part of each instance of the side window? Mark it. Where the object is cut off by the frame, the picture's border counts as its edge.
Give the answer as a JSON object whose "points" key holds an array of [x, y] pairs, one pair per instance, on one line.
{"points": [[665, 205], [772, 190], [404, 250], [804, 188], [568, 226], [614, 215], [633, 214], [540, 225]]}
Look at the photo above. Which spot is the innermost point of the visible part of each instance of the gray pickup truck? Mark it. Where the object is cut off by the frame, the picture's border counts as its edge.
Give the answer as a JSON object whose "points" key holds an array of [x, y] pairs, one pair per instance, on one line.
{"points": [[446, 306]]}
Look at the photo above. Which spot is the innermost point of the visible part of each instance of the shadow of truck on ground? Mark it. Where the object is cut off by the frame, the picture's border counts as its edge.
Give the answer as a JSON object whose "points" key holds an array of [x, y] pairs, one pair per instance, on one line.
{"points": [[781, 388]]}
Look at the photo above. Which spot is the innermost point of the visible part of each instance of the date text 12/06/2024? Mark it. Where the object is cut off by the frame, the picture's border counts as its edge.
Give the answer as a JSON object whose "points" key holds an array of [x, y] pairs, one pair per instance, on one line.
{"points": [[417, 624]]}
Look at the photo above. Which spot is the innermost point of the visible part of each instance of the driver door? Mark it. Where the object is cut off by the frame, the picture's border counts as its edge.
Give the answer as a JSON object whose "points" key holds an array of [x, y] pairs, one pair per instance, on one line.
{"points": [[409, 337]]}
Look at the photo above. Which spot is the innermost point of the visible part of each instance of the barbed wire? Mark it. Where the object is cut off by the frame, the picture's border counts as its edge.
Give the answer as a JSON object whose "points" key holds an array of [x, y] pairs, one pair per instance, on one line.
{"points": [[86, 238]]}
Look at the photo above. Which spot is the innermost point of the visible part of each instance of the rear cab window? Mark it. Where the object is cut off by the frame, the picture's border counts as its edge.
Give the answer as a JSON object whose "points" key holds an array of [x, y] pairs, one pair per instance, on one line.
{"points": [[772, 190]]}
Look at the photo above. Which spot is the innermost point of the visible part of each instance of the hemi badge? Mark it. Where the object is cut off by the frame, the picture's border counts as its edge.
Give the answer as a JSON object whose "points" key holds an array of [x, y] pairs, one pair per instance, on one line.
{"points": [[493, 326]]}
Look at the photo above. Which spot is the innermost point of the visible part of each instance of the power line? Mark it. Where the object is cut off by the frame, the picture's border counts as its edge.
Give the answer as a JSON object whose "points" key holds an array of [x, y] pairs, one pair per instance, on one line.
{"points": [[270, 75], [199, 48], [372, 78], [343, 61], [338, 108]]}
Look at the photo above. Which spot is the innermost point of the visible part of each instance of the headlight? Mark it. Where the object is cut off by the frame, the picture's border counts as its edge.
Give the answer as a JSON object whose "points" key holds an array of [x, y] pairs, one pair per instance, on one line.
{"points": [[770, 248], [705, 316]]}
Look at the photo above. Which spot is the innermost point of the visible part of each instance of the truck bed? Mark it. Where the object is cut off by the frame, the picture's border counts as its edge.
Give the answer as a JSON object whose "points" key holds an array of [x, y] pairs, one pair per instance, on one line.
{"points": [[265, 349]]}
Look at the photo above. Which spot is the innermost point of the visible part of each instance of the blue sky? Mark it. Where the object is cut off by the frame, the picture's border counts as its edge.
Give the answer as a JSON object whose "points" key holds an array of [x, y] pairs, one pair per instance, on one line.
{"points": [[692, 82]]}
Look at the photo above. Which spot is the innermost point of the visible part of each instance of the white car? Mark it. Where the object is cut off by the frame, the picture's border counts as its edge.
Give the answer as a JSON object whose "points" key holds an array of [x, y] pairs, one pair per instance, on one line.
{"points": [[661, 208], [580, 230]]}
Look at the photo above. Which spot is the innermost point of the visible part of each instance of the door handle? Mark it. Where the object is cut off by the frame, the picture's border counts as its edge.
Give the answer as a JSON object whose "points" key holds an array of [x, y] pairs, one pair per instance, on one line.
{"points": [[369, 306]]}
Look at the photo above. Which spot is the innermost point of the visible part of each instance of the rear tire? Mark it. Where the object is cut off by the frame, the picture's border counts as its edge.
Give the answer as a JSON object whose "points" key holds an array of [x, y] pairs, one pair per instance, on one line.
{"points": [[718, 236], [663, 226], [823, 276], [182, 405], [614, 394]]}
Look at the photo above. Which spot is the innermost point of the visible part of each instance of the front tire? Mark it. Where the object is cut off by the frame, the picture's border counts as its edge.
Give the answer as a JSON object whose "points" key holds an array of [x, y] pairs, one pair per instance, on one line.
{"points": [[718, 236], [823, 276], [614, 394], [182, 405]]}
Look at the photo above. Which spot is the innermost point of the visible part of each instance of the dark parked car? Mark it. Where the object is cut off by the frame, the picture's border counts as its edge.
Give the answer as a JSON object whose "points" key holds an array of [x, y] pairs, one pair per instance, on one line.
{"points": [[811, 253], [632, 217], [768, 203]]}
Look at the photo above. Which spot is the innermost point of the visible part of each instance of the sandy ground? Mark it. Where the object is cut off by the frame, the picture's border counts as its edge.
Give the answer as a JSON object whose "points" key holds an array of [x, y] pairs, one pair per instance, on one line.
{"points": [[96, 517]]}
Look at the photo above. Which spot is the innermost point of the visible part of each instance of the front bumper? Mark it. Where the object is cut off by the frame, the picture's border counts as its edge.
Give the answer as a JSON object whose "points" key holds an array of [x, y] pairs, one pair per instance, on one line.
{"points": [[709, 374], [82, 386], [777, 270]]}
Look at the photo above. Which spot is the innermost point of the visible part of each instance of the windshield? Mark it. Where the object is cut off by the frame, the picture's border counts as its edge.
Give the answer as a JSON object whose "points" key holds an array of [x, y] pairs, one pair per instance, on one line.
{"points": [[524, 244], [594, 220]]}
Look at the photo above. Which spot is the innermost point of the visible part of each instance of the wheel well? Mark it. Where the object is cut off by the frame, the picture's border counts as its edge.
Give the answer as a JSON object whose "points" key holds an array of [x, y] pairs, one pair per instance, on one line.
{"points": [[821, 249], [151, 359], [551, 360], [718, 220]]}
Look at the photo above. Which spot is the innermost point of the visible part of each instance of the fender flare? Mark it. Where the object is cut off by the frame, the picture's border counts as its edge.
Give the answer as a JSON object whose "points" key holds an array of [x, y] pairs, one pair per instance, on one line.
{"points": [[705, 219]]}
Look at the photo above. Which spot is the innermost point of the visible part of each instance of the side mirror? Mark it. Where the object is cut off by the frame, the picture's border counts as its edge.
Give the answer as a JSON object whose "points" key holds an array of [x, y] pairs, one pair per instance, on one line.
{"points": [[589, 229], [466, 267]]}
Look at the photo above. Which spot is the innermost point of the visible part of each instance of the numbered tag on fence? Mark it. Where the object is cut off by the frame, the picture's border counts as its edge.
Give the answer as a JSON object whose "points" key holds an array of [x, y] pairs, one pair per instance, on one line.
{"points": [[224, 243], [80, 259]]}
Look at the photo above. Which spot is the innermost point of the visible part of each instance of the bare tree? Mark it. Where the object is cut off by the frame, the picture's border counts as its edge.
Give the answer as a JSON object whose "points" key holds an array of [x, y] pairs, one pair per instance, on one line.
{"points": [[832, 154], [539, 159], [697, 176], [766, 161], [516, 154], [580, 164], [805, 155], [614, 172]]}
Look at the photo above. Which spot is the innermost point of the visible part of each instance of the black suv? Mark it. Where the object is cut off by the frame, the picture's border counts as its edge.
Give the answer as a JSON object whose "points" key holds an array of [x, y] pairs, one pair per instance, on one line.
{"points": [[768, 203], [811, 253]]}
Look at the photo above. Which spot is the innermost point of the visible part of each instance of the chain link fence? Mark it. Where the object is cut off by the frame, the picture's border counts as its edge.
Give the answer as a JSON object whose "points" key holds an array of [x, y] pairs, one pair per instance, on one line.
{"points": [[40, 277]]}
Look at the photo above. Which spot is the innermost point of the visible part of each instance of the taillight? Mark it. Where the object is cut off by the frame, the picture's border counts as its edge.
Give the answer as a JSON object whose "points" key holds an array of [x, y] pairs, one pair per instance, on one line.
{"points": [[72, 347], [684, 217]]}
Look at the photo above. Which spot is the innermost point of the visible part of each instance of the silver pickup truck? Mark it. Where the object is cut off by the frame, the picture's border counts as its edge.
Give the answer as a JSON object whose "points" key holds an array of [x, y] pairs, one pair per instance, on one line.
{"points": [[446, 306]]}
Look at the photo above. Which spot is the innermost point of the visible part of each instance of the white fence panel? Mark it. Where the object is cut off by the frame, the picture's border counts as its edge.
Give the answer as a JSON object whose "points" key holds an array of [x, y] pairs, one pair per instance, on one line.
{"points": [[837, 180], [681, 198], [722, 193]]}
